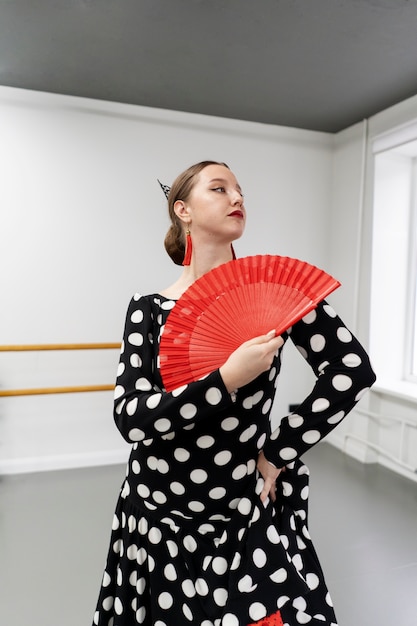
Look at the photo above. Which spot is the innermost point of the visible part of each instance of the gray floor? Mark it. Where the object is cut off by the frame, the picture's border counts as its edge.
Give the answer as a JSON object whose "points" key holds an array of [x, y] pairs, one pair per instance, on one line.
{"points": [[55, 529]]}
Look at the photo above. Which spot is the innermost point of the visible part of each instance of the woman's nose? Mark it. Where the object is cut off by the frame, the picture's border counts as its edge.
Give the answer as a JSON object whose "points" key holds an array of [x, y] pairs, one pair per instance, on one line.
{"points": [[236, 197]]}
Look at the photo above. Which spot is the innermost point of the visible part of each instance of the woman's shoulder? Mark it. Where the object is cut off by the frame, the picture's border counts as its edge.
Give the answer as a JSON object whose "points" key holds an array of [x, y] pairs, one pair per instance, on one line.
{"points": [[151, 301]]}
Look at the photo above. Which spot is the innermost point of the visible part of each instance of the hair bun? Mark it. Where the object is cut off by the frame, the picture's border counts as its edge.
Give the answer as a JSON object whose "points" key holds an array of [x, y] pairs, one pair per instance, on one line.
{"points": [[174, 245]]}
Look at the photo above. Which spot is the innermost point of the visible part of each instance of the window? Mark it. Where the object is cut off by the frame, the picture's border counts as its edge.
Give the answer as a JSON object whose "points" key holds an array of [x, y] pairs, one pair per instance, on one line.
{"points": [[411, 366], [394, 260], [414, 343]]}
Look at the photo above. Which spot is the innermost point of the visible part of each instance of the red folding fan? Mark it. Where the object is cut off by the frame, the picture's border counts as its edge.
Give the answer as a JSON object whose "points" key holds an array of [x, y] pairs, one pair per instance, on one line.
{"points": [[232, 303]]}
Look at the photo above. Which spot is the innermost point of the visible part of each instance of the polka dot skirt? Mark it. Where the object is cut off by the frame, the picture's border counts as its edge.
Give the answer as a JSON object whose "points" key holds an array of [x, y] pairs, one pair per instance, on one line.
{"points": [[191, 541]]}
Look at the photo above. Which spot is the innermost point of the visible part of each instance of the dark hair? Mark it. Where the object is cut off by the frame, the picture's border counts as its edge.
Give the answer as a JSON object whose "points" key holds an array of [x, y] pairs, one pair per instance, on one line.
{"points": [[181, 190]]}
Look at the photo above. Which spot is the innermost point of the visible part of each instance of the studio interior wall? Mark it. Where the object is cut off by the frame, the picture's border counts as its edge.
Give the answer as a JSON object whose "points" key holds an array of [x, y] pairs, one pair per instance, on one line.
{"points": [[83, 221]]}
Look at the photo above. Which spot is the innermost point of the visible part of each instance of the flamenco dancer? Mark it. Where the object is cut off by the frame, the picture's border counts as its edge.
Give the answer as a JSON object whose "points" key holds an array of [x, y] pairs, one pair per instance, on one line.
{"points": [[211, 525]]}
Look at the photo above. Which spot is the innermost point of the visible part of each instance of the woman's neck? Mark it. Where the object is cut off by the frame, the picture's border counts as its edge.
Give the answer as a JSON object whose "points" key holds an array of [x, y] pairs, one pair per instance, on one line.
{"points": [[204, 261], [201, 263]]}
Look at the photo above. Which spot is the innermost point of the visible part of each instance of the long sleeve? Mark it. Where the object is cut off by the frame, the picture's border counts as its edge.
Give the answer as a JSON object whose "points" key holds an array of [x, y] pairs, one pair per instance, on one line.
{"points": [[142, 408], [343, 373]]}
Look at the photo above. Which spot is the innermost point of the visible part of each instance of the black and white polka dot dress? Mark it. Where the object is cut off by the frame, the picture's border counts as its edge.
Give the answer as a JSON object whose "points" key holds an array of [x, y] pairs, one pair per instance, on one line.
{"points": [[191, 542]]}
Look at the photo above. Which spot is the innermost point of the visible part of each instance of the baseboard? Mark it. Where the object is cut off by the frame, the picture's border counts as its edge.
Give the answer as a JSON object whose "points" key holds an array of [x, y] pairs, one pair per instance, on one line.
{"points": [[63, 461], [31, 465], [359, 452], [394, 467]]}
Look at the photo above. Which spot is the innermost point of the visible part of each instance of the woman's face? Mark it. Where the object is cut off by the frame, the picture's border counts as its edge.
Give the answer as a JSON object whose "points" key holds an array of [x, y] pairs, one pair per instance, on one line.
{"points": [[215, 206]]}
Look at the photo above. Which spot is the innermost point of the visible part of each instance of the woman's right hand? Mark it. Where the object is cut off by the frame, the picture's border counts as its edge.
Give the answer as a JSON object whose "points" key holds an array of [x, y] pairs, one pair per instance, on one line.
{"points": [[252, 358]]}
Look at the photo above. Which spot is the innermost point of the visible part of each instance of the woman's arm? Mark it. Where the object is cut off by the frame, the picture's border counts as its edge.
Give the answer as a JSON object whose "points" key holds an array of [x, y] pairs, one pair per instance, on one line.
{"points": [[343, 373], [141, 409]]}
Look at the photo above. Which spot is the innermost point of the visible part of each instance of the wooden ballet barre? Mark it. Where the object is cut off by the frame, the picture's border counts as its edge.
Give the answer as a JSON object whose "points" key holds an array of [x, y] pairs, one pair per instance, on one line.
{"points": [[51, 390], [60, 346], [57, 346]]}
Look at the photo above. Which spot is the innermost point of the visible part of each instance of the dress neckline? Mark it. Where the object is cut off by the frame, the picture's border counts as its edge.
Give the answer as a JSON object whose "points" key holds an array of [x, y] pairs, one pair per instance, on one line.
{"points": [[160, 295]]}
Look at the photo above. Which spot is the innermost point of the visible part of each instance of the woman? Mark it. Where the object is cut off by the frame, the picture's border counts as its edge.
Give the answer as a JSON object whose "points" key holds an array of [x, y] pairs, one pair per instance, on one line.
{"points": [[211, 523]]}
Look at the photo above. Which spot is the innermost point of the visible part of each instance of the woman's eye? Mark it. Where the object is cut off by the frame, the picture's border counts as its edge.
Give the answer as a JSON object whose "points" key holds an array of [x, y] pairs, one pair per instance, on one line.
{"points": [[219, 189]]}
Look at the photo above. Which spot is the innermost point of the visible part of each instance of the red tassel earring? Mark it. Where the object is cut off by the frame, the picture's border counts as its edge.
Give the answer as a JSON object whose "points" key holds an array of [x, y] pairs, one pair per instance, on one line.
{"points": [[188, 248]]}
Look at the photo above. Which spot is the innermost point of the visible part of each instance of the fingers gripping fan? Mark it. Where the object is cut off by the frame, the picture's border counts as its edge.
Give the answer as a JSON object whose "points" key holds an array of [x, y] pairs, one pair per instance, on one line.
{"points": [[232, 303]]}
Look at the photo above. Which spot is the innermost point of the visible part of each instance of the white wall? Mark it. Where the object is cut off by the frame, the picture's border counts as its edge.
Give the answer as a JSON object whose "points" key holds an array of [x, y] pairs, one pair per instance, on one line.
{"points": [[82, 224], [346, 217]]}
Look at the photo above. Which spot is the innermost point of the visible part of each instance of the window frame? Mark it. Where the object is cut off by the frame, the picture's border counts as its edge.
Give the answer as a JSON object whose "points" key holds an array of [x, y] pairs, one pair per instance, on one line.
{"points": [[398, 363]]}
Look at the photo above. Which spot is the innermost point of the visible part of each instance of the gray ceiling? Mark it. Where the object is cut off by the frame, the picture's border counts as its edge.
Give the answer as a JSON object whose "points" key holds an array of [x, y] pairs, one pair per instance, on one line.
{"points": [[314, 64]]}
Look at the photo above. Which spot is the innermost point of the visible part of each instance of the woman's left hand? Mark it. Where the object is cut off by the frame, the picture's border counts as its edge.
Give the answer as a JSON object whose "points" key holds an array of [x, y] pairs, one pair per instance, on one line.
{"points": [[270, 474]]}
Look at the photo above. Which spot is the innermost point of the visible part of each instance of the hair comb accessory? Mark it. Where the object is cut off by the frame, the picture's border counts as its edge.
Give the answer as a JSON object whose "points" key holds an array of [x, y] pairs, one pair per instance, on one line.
{"points": [[164, 188], [232, 303]]}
